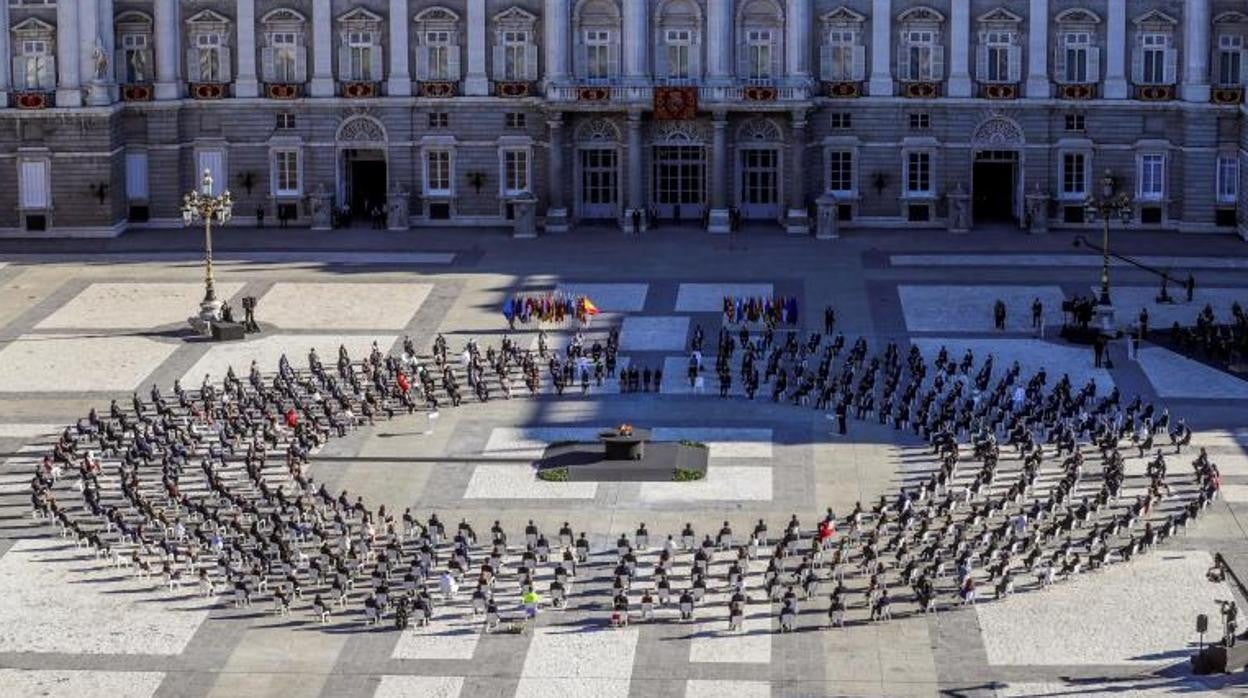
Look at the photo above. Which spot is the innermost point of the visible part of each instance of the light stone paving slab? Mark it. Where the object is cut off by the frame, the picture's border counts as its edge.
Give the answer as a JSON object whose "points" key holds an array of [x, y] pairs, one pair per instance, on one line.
{"points": [[676, 378], [452, 634], [68, 683], [1143, 687], [653, 333], [722, 483], [1128, 300], [77, 363], [342, 306], [1059, 260], [713, 643], [419, 687], [1031, 354], [969, 308], [115, 306], [721, 442], [568, 662], [28, 431], [1138, 613], [709, 298], [697, 688], [48, 605], [267, 351], [490, 481], [1235, 494], [610, 298], [1176, 376]]}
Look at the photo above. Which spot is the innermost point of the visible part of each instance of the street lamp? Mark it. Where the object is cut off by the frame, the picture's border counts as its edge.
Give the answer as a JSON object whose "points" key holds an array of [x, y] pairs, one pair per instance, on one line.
{"points": [[1108, 206], [202, 205]]}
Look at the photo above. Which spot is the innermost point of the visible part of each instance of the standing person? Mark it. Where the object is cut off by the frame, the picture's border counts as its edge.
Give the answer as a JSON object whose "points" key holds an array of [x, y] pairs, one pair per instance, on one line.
{"points": [[1037, 314], [1098, 348], [1143, 323], [637, 221], [829, 320], [1190, 286], [842, 411], [260, 224], [998, 314]]}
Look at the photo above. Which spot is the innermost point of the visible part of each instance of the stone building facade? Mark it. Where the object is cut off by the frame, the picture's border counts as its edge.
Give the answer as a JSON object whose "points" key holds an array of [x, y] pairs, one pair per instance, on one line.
{"points": [[941, 113]]}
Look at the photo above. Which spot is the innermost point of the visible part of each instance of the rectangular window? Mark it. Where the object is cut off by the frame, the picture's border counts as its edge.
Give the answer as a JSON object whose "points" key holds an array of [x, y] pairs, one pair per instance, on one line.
{"points": [[285, 60], [598, 54], [515, 120], [841, 120], [919, 173], [1077, 49], [1076, 122], [1230, 61], [360, 52], [920, 122], [1228, 179], [841, 65], [209, 57], [212, 161], [34, 67], [997, 48], [841, 172], [679, 47], [439, 119], [1153, 59], [286, 172], [137, 68], [920, 55], [34, 184], [439, 47], [438, 172], [758, 51], [515, 171], [1152, 177], [285, 121], [136, 177], [1074, 175], [515, 55]]}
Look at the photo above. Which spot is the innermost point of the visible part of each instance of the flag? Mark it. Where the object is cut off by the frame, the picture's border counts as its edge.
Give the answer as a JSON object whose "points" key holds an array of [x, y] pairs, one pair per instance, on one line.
{"points": [[590, 308]]}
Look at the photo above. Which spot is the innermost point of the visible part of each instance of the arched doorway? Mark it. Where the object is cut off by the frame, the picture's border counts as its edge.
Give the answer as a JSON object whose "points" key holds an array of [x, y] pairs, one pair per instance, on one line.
{"points": [[760, 151], [362, 172], [678, 185], [997, 171], [598, 181]]}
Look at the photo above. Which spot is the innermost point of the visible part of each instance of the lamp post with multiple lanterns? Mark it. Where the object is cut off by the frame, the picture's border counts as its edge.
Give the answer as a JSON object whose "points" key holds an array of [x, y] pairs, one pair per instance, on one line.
{"points": [[1110, 205], [201, 205]]}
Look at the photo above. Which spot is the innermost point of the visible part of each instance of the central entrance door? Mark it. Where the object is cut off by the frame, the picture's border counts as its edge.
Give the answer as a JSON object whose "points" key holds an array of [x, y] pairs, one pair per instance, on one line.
{"points": [[995, 183], [600, 183], [679, 182], [365, 179], [760, 183]]}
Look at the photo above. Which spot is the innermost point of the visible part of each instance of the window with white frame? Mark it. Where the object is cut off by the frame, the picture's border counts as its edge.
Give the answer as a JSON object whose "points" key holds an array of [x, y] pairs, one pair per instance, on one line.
{"points": [[922, 58], [1229, 69], [599, 54], [843, 59], [759, 49], [437, 51], [282, 64], [33, 184], [1155, 61], [1152, 177], [286, 173], [519, 57], [999, 58], [1074, 175], [438, 173], [359, 50], [1078, 59], [34, 66], [678, 54], [438, 46], [515, 171], [135, 66], [1228, 179], [208, 50], [918, 174], [360, 59], [841, 172]]}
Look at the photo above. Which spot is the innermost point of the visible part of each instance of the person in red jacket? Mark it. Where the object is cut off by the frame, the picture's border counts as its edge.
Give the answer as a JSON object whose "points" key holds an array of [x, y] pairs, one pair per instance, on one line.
{"points": [[292, 418]]}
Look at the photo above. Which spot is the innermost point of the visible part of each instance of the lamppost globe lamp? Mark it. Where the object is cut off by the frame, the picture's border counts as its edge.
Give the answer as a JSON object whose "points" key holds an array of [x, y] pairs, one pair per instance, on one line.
{"points": [[1110, 205], [201, 205]]}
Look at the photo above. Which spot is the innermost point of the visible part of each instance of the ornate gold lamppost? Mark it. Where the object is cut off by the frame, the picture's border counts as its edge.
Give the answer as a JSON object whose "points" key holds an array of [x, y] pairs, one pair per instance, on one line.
{"points": [[1110, 205], [201, 205]]}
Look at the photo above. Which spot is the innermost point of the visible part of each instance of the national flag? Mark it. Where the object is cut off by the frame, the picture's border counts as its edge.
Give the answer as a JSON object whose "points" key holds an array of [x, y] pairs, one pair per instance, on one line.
{"points": [[589, 307]]}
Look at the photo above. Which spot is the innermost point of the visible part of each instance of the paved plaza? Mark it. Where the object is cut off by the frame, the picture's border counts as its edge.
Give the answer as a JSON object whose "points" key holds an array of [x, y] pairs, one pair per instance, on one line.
{"points": [[76, 333]]}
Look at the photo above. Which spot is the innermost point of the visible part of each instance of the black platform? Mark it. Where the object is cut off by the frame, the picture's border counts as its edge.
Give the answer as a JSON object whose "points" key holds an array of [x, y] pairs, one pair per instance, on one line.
{"points": [[227, 331], [587, 462]]}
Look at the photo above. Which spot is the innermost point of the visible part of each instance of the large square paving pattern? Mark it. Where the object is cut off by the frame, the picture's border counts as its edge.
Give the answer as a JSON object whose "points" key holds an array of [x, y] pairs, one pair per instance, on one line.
{"points": [[72, 625]]}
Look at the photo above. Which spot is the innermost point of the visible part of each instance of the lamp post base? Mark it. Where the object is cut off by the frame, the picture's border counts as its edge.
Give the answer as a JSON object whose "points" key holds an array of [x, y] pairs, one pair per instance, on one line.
{"points": [[209, 312], [1104, 316]]}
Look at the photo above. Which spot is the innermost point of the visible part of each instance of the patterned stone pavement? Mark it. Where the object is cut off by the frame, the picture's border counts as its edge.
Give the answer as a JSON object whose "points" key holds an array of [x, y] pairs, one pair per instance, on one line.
{"points": [[74, 334]]}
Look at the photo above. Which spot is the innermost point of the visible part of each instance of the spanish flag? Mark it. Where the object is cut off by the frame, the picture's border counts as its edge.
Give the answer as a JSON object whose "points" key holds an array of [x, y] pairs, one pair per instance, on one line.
{"points": [[588, 307]]}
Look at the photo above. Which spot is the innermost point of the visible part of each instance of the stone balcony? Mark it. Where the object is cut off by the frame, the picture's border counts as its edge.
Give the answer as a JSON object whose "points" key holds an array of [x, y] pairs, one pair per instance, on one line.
{"points": [[742, 92]]}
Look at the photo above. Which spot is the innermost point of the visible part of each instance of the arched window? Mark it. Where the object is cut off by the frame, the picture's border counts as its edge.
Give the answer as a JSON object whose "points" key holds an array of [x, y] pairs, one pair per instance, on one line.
{"points": [[133, 58], [438, 45], [284, 57], [598, 40], [760, 28], [921, 50], [678, 43]]}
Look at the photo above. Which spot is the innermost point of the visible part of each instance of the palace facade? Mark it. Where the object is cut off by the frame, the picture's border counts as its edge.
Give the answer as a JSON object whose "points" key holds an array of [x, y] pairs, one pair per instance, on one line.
{"points": [[889, 113]]}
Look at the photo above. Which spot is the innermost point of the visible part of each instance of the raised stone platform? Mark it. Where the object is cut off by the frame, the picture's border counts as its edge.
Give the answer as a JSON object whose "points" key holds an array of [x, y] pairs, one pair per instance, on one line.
{"points": [[588, 462]]}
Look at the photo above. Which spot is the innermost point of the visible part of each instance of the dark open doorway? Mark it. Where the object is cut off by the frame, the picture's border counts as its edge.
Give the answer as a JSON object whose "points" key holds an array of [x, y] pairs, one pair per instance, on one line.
{"points": [[994, 182], [366, 181]]}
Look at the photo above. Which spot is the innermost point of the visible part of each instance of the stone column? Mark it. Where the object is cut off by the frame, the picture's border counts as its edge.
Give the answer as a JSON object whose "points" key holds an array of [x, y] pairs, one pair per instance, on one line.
{"points": [[68, 61], [798, 30], [1116, 50], [637, 42], [1038, 50], [557, 212], [1196, 21], [168, 40], [799, 214], [5, 70], [322, 49], [881, 84], [558, 31], [636, 195], [960, 49], [399, 82], [246, 84], [719, 65], [720, 220], [477, 81]]}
